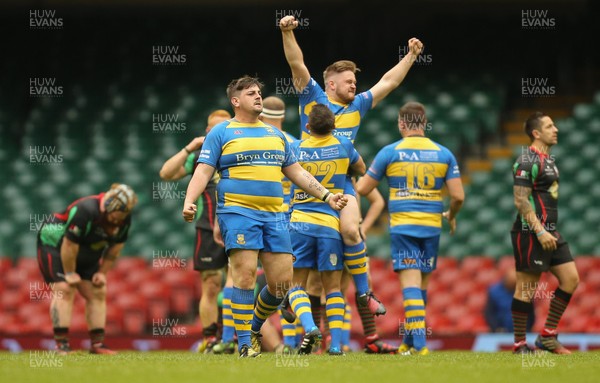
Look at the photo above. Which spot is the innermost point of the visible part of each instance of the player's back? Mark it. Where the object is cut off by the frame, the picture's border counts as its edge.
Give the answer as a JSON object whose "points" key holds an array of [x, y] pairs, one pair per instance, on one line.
{"points": [[416, 169], [328, 160]]}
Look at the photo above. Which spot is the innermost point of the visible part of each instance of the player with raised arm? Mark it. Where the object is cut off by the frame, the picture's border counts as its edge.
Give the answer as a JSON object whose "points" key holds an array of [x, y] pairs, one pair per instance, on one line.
{"points": [[75, 250], [340, 96], [250, 157], [416, 169], [538, 246]]}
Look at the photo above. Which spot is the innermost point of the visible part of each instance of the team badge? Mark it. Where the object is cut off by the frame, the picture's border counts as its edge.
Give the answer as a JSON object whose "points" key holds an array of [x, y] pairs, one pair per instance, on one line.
{"points": [[333, 259], [240, 239]]}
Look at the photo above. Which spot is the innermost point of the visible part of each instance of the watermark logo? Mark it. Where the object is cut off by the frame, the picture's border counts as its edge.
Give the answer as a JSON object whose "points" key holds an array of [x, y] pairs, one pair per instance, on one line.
{"points": [[303, 22], [406, 328], [541, 218], [40, 291], [44, 359], [536, 290], [167, 191], [537, 87], [168, 259], [287, 86], [281, 288], [167, 328], [414, 259], [528, 155], [422, 59], [417, 121], [44, 87], [36, 221], [537, 360], [288, 358], [44, 19], [41, 155], [168, 55], [167, 123], [537, 19]]}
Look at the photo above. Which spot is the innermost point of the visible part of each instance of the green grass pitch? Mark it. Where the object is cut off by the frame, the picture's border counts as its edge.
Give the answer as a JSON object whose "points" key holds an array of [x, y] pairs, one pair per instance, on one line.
{"points": [[179, 367]]}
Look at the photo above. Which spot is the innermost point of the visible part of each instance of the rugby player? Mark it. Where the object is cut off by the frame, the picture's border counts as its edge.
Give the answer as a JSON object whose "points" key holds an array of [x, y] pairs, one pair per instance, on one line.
{"points": [[416, 169], [250, 157], [75, 250]]}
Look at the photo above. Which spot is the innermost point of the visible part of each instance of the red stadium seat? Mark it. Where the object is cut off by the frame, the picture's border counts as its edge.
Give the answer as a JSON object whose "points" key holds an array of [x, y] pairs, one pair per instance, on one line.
{"points": [[487, 277], [5, 265], [507, 262], [446, 263], [476, 301], [127, 264], [471, 266], [29, 264], [447, 278]]}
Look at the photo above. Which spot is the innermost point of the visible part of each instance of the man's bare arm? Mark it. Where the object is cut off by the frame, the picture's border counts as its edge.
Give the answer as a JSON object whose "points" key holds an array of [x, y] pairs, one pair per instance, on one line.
{"points": [[293, 53]]}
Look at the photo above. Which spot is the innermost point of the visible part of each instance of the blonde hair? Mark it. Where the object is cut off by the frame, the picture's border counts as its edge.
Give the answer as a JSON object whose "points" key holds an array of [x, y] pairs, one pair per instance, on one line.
{"points": [[120, 197], [218, 113], [339, 67]]}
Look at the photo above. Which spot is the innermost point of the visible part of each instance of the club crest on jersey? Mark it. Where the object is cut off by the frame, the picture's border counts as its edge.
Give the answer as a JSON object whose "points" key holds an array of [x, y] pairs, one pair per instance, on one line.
{"points": [[241, 240], [333, 259], [75, 230]]}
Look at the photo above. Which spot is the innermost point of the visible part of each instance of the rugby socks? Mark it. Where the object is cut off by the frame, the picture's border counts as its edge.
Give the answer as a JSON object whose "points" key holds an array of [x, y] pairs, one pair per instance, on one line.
{"points": [[367, 319], [346, 326], [414, 312], [355, 259], [242, 308], [266, 304], [289, 331], [301, 306], [335, 309], [558, 305], [96, 336], [61, 335], [520, 313], [407, 337], [228, 324], [315, 306], [299, 331]]}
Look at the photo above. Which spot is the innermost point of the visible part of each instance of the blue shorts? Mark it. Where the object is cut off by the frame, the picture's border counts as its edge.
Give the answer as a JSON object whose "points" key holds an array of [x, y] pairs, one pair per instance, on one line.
{"points": [[349, 186], [241, 232], [323, 254], [414, 253]]}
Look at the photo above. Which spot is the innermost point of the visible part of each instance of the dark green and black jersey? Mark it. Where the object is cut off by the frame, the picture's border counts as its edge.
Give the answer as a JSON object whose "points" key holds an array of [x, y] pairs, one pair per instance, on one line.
{"points": [[83, 223], [538, 171], [207, 201]]}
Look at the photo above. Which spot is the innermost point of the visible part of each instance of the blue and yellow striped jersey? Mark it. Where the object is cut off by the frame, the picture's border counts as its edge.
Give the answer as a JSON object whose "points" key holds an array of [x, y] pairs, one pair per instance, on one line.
{"points": [[285, 182], [416, 169], [327, 159], [249, 157], [347, 117]]}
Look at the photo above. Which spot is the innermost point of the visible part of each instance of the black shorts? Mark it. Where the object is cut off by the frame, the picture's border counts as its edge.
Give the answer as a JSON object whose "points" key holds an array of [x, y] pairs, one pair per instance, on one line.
{"points": [[207, 254], [531, 257], [51, 265]]}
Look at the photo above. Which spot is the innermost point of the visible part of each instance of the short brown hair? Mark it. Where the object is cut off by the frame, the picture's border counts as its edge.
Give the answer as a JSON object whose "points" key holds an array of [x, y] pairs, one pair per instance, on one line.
{"points": [[413, 115], [339, 67], [239, 84], [321, 120], [534, 122]]}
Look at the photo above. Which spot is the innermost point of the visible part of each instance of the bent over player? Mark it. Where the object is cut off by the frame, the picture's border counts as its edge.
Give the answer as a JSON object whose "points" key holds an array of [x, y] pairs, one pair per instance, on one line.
{"points": [[75, 250]]}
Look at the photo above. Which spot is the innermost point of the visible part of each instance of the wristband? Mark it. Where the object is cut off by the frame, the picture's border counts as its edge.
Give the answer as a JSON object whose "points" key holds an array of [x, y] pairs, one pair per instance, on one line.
{"points": [[326, 196], [540, 233], [186, 150], [69, 273]]}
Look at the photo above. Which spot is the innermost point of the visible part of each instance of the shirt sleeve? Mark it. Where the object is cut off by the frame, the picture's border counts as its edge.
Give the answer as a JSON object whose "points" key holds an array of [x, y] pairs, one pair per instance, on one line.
{"points": [[79, 218], [290, 156], [380, 163], [524, 173], [453, 169], [190, 162], [365, 102], [310, 92], [211, 150]]}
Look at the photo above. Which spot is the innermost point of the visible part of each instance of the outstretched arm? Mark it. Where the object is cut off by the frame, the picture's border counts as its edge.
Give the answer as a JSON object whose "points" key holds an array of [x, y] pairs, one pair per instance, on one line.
{"points": [[394, 77], [293, 53]]}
